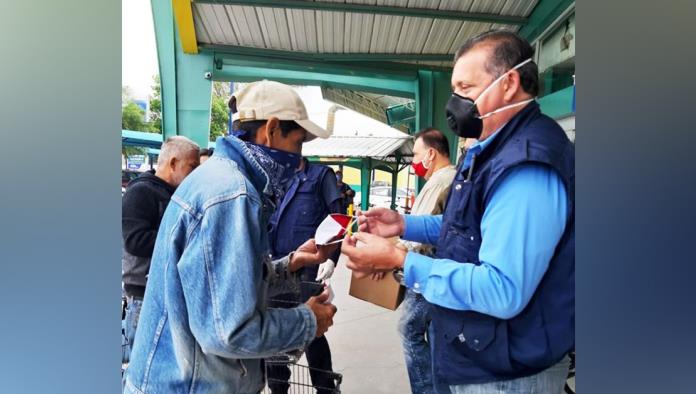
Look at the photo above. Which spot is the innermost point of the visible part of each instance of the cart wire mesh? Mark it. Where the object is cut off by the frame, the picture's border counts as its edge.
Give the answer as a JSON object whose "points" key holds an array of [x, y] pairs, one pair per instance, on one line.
{"points": [[300, 380]]}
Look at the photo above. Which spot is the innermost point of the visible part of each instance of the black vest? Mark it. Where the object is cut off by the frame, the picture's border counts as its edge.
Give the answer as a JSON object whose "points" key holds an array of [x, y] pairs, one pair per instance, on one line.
{"points": [[471, 347]]}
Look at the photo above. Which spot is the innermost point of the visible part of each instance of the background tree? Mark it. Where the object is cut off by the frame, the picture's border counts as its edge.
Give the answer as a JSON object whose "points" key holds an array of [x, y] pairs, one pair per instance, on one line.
{"points": [[156, 105], [219, 112]]}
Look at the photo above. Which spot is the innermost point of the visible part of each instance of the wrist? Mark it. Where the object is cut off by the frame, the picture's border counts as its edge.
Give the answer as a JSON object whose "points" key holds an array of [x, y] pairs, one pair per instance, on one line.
{"points": [[294, 262], [400, 258]]}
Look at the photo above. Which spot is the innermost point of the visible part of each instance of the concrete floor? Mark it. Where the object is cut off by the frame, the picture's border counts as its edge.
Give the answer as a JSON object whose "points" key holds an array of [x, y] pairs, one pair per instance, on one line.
{"points": [[365, 343]]}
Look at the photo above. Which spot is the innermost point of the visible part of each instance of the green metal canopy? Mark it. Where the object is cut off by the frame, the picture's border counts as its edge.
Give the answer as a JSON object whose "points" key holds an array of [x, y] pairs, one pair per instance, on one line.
{"points": [[399, 48]]}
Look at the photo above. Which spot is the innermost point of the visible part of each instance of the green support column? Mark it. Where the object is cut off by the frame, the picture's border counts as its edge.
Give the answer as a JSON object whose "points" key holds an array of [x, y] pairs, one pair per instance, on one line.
{"points": [[365, 179], [433, 90], [163, 18], [186, 93], [194, 93]]}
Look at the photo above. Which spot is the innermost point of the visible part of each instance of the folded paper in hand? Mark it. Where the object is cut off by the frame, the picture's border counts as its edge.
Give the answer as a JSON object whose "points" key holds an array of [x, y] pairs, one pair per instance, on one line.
{"points": [[332, 228]]}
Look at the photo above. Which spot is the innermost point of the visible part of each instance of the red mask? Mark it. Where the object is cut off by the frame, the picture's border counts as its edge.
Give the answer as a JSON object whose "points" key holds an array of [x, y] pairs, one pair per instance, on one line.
{"points": [[420, 169]]}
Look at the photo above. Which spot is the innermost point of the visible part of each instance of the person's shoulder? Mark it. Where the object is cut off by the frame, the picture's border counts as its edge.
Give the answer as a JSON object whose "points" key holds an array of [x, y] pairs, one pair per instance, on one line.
{"points": [[446, 175], [217, 180]]}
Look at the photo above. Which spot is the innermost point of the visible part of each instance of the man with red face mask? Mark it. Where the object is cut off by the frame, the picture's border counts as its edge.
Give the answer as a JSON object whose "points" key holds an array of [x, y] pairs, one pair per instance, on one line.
{"points": [[430, 161]]}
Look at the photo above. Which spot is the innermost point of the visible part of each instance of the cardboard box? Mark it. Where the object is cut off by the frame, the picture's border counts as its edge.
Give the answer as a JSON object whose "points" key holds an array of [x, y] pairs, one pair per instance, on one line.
{"points": [[386, 292]]}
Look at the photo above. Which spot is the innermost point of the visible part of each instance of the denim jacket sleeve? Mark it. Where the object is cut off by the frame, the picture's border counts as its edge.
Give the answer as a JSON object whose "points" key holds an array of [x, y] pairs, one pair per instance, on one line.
{"points": [[221, 270]]}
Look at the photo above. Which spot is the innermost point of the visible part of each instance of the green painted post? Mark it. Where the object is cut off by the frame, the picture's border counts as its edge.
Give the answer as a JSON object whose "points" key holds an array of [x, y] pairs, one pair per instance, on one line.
{"points": [[433, 89], [163, 18], [365, 178], [186, 92], [194, 92], [425, 89]]}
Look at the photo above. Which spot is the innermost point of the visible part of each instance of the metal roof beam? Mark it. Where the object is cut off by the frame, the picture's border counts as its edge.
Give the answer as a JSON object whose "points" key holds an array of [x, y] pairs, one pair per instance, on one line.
{"points": [[376, 9], [399, 88], [544, 13], [329, 57]]}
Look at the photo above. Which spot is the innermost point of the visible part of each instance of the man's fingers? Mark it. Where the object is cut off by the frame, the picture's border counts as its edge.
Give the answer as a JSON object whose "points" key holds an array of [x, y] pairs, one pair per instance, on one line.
{"points": [[323, 297], [363, 237]]}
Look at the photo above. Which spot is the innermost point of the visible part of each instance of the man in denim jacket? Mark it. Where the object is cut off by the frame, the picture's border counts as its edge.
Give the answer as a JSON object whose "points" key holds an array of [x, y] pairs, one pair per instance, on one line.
{"points": [[205, 325]]}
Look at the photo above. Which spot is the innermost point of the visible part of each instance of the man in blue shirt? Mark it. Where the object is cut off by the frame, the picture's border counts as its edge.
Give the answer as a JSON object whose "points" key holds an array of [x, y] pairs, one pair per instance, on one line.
{"points": [[311, 196], [501, 285]]}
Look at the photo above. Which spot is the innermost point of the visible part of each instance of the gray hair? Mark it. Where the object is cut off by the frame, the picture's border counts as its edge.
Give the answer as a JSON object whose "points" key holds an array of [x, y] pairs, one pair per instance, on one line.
{"points": [[177, 146]]}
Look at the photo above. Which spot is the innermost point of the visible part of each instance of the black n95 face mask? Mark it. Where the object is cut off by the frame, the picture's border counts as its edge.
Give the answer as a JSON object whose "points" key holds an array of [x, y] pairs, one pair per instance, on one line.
{"points": [[463, 116]]}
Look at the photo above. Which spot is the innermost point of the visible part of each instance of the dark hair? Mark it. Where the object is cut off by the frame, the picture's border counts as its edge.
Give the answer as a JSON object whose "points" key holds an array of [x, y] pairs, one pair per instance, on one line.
{"points": [[206, 152], [434, 138], [252, 126], [508, 50]]}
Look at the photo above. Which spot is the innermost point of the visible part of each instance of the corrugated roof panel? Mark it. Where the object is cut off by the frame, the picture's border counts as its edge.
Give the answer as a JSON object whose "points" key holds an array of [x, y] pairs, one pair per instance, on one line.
{"points": [[223, 21], [209, 19], [330, 31], [413, 34], [340, 32], [385, 34], [441, 36], [455, 5], [246, 24], [202, 35], [303, 30], [274, 26], [358, 32], [375, 147]]}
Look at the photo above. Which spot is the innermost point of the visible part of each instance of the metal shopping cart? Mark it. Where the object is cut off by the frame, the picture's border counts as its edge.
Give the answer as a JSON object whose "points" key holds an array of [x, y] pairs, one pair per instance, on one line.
{"points": [[300, 381], [299, 376]]}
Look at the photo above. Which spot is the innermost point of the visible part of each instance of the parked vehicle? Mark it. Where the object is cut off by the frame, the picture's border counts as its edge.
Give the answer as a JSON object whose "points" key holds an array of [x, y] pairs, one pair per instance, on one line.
{"points": [[380, 196], [127, 176]]}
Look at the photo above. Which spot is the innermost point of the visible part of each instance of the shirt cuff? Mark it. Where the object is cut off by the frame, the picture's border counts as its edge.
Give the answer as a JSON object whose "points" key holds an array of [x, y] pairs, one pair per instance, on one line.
{"points": [[416, 271], [412, 227]]}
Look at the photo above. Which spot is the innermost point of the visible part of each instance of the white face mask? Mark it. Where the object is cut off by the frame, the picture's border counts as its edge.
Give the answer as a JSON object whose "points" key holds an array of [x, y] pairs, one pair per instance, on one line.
{"points": [[486, 90]]}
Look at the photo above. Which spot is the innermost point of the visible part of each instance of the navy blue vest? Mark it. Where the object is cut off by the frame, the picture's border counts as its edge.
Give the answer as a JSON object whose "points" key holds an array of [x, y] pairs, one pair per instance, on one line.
{"points": [[471, 347], [300, 213]]}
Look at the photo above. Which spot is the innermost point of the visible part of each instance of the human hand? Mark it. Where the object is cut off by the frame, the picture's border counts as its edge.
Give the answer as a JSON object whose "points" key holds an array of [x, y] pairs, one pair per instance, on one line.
{"points": [[377, 276], [309, 254], [376, 254], [381, 221], [323, 312], [326, 269]]}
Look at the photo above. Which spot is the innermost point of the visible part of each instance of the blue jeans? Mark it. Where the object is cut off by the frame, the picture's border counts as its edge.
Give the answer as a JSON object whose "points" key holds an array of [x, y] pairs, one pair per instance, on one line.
{"points": [[413, 327], [551, 380], [130, 324]]}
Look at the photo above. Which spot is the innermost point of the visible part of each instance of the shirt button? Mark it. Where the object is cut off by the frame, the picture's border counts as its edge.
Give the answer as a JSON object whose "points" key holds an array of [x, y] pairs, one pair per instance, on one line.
{"points": [[472, 237], [416, 285], [458, 187], [461, 338]]}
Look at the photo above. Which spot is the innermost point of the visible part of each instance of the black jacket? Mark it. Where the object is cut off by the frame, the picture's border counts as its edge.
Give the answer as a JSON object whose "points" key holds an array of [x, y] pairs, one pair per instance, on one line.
{"points": [[142, 208]]}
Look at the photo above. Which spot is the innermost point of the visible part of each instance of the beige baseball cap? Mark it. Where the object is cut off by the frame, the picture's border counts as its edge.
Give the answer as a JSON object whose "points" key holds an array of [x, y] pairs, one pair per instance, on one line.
{"points": [[263, 99]]}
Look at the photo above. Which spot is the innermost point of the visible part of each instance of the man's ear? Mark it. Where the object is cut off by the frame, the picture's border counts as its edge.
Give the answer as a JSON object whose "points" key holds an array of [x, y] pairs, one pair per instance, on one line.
{"points": [[173, 162], [271, 127], [512, 85]]}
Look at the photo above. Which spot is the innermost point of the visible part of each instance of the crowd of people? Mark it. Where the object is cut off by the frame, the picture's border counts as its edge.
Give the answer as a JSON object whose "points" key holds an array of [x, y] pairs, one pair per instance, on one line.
{"points": [[221, 271]]}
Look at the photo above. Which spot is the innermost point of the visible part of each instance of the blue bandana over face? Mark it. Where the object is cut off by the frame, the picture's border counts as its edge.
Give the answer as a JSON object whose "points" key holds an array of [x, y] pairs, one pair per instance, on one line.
{"points": [[281, 166]]}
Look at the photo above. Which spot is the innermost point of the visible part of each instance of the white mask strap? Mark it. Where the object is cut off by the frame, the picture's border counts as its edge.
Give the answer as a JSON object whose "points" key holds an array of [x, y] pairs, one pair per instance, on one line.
{"points": [[506, 107], [499, 78]]}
